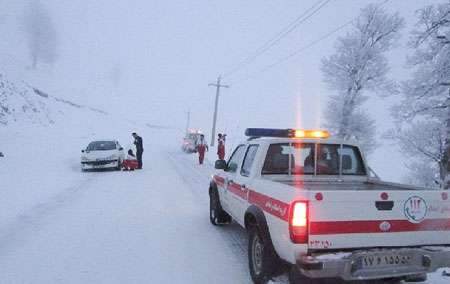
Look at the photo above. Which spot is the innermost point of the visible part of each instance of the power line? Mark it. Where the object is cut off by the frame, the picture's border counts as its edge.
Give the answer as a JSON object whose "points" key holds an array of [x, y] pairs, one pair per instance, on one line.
{"points": [[279, 36], [304, 48]]}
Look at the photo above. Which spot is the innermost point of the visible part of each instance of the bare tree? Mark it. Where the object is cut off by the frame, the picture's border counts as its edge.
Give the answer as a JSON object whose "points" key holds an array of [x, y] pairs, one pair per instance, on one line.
{"points": [[359, 65], [426, 97], [41, 34]]}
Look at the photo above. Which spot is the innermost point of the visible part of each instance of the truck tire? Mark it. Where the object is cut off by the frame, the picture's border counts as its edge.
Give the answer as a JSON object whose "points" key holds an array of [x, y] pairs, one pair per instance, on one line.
{"points": [[416, 278], [380, 281], [296, 277], [262, 260], [217, 216]]}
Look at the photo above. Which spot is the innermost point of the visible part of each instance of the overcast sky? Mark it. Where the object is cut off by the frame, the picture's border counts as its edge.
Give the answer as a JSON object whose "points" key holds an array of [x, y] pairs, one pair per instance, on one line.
{"points": [[153, 60]]}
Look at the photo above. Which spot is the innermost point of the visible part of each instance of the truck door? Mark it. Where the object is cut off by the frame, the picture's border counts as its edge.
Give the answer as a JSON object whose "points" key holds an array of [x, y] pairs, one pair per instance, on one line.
{"points": [[229, 178], [241, 183]]}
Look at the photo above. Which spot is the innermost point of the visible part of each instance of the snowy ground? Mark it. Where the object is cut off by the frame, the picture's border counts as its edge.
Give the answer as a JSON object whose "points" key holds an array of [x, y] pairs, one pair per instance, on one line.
{"points": [[59, 225]]}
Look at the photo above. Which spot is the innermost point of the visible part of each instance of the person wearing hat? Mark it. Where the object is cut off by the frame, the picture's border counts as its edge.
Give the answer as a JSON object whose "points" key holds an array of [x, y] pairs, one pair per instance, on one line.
{"points": [[139, 148], [221, 146]]}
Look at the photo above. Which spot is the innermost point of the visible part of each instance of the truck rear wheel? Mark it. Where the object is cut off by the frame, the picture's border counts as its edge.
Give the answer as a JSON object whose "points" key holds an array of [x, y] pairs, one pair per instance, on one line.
{"points": [[217, 216], [295, 277], [262, 260], [416, 278]]}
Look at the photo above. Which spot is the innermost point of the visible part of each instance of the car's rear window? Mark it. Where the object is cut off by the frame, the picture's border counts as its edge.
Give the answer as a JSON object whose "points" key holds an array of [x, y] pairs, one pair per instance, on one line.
{"points": [[313, 159], [101, 146]]}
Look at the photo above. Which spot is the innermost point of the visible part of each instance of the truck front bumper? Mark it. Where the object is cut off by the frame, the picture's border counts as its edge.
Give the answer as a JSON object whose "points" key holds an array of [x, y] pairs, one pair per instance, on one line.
{"points": [[350, 265]]}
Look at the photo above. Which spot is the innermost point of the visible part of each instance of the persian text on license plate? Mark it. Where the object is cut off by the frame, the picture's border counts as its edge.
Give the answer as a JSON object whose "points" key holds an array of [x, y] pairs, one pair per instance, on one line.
{"points": [[372, 261]]}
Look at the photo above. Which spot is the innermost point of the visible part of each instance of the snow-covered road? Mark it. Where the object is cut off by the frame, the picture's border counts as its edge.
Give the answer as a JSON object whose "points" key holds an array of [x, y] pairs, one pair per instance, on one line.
{"points": [[147, 226]]}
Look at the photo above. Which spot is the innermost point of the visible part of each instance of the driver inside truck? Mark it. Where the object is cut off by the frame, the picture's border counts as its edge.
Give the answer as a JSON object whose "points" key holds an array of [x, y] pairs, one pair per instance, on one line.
{"points": [[277, 160], [309, 161], [327, 159]]}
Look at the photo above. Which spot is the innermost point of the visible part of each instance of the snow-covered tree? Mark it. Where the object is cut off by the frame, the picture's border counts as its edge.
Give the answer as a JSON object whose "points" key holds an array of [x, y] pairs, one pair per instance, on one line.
{"points": [[422, 144], [360, 66], [426, 96], [422, 174], [41, 34]]}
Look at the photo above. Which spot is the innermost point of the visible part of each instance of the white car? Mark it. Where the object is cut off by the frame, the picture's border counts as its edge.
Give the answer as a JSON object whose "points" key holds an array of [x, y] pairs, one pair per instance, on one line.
{"points": [[102, 154]]}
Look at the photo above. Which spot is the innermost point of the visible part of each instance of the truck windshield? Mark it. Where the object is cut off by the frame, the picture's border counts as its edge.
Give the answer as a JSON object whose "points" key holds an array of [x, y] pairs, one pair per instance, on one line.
{"points": [[313, 159]]}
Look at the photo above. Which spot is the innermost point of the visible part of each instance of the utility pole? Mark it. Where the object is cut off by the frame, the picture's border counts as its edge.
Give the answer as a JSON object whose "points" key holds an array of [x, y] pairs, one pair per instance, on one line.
{"points": [[216, 105], [188, 120]]}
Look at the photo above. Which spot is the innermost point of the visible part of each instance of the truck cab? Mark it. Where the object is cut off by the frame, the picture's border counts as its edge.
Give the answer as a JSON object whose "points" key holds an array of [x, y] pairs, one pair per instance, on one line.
{"points": [[190, 141], [309, 200]]}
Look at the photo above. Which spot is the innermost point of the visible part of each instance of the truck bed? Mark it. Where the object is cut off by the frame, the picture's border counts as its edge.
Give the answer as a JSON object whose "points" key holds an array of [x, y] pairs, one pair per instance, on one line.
{"points": [[338, 184]]}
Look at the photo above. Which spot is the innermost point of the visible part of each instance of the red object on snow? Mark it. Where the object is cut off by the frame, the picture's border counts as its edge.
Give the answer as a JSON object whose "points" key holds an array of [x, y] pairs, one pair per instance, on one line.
{"points": [[221, 147], [129, 165], [201, 149]]}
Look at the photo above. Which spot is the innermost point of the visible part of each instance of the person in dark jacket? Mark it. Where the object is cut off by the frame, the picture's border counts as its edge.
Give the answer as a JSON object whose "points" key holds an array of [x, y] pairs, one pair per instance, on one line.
{"points": [[139, 149]]}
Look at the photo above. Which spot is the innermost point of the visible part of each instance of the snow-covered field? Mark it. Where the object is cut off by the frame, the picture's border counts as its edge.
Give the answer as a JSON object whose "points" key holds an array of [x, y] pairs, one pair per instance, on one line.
{"points": [[58, 224]]}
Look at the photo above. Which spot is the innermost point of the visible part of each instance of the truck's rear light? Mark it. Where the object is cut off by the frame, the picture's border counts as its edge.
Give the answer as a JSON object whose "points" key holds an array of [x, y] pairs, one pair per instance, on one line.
{"points": [[298, 222]]}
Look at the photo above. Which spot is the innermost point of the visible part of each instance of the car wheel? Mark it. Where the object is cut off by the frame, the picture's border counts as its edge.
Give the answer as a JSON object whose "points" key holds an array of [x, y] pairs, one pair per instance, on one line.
{"points": [[262, 260], [217, 216]]}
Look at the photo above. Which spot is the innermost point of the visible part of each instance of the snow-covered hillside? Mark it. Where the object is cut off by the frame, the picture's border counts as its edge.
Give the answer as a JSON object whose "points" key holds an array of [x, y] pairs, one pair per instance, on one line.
{"points": [[23, 103], [41, 137]]}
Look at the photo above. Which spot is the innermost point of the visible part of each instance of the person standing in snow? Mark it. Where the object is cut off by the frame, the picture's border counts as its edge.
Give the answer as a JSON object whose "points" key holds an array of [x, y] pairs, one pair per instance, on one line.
{"points": [[221, 146], [139, 148], [202, 147]]}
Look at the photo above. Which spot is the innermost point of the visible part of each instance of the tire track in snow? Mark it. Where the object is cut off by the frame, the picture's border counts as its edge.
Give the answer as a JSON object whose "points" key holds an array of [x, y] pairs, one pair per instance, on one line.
{"points": [[34, 218], [198, 181]]}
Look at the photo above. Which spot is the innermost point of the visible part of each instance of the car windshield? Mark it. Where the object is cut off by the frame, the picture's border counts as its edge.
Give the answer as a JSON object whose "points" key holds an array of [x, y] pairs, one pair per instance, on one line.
{"points": [[101, 146], [301, 159]]}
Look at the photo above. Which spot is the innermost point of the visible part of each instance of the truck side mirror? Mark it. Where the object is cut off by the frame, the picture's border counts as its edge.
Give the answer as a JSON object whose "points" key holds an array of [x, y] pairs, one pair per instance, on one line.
{"points": [[220, 165]]}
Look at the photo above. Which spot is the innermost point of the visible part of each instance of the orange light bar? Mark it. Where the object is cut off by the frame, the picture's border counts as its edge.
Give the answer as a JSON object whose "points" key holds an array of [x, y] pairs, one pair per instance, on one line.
{"points": [[311, 134]]}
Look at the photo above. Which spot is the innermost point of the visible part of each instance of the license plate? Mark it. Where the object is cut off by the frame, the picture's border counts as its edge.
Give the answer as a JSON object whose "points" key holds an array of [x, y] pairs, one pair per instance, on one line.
{"points": [[372, 261]]}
